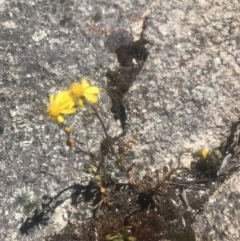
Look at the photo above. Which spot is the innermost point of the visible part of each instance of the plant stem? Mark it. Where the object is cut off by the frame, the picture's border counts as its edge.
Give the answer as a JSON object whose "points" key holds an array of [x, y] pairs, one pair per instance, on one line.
{"points": [[119, 160]]}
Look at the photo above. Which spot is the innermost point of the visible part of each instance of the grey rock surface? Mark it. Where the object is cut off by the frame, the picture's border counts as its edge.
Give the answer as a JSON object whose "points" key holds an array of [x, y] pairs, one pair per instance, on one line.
{"points": [[184, 98], [220, 218], [192, 90]]}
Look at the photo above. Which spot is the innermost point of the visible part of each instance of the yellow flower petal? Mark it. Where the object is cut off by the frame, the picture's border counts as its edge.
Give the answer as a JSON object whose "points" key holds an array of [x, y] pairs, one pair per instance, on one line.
{"points": [[68, 103], [91, 97], [84, 83], [61, 96], [68, 111], [51, 98], [80, 102], [60, 119], [61, 104], [205, 153], [92, 90]]}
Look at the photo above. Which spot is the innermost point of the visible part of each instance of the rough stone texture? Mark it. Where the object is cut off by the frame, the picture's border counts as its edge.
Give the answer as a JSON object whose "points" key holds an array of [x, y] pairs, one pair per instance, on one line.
{"points": [[45, 45], [188, 89], [185, 96], [222, 213]]}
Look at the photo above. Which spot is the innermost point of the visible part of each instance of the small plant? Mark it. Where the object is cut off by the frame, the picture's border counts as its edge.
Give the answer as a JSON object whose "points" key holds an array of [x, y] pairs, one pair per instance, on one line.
{"points": [[149, 193], [66, 102]]}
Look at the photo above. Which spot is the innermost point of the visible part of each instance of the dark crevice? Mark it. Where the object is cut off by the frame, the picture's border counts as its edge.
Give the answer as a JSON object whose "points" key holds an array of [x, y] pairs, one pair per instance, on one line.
{"points": [[1, 130], [131, 58]]}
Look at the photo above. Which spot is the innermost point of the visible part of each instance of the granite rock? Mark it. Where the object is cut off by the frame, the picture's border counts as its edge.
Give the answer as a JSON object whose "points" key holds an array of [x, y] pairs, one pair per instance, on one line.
{"points": [[183, 98]]}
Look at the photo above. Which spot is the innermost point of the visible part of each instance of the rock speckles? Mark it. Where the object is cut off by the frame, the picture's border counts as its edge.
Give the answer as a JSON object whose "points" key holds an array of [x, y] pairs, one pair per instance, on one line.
{"points": [[185, 96]]}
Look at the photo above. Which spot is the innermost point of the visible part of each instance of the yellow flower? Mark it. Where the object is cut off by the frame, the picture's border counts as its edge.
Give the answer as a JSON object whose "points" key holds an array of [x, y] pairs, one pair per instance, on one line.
{"points": [[83, 89], [62, 104], [205, 153], [202, 153]]}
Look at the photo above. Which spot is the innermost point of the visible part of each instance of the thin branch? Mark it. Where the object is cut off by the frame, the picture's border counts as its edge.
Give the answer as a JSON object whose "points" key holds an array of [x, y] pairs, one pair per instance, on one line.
{"points": [[104, 128], [119, 160]]}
